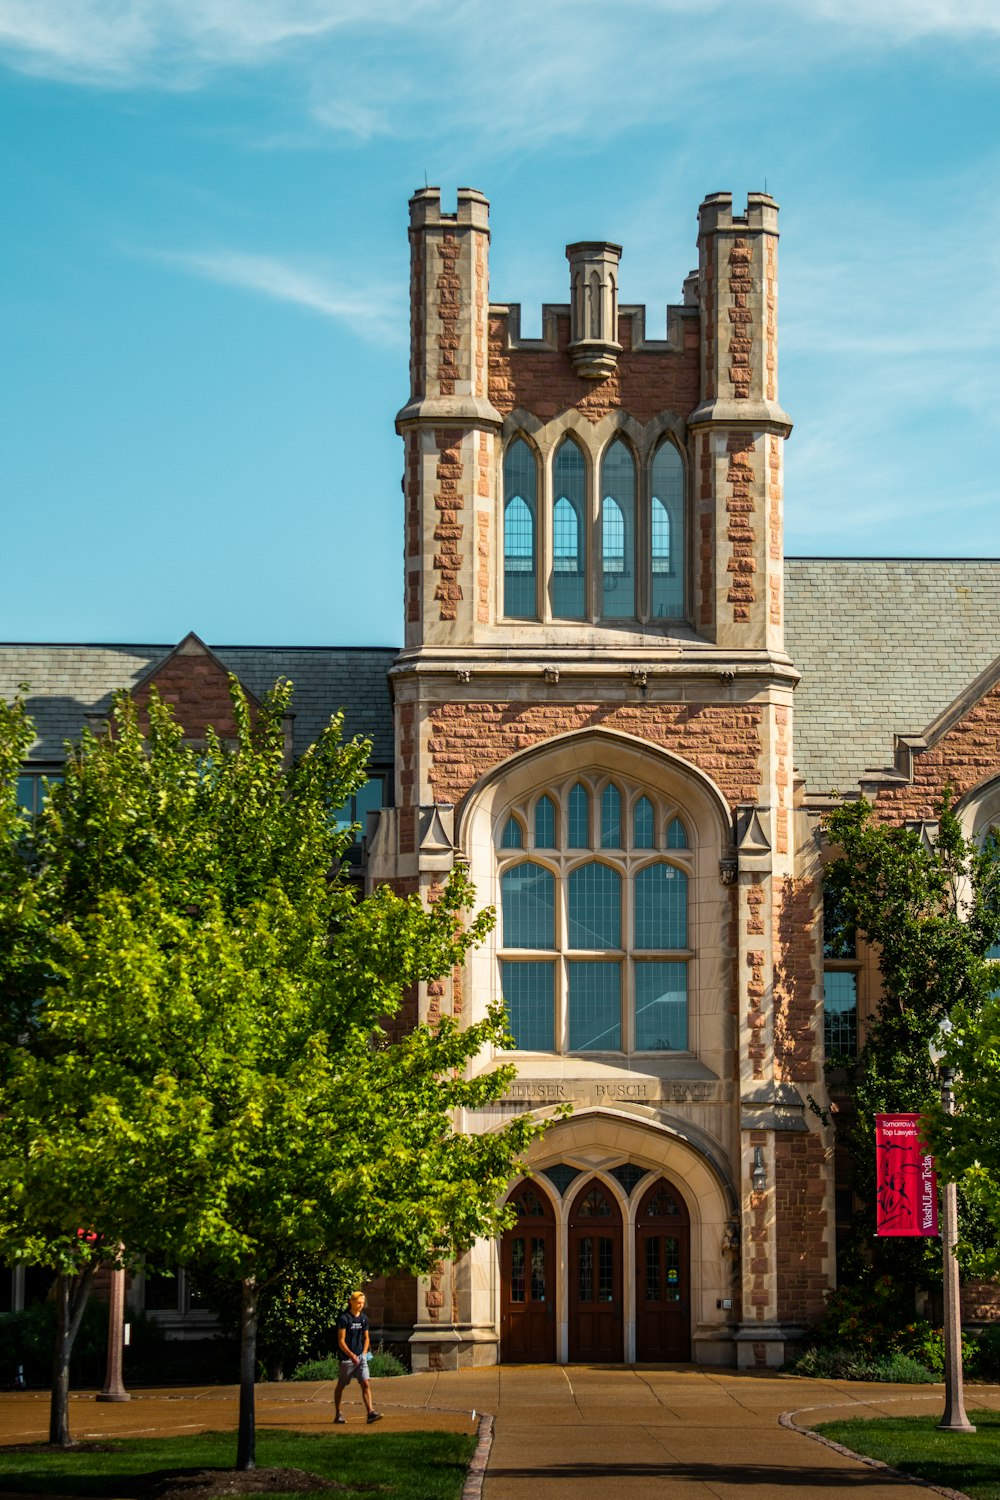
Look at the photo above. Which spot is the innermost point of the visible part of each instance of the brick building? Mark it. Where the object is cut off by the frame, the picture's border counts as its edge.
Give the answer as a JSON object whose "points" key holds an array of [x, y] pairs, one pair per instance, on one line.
{"points": [[624, 708]]}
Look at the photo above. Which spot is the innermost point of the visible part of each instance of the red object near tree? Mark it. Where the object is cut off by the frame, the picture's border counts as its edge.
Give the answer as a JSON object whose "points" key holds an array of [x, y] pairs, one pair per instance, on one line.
{"points": [[906, 1198]]}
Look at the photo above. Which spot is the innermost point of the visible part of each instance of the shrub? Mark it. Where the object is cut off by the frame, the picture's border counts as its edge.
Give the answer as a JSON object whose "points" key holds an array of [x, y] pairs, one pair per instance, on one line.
{"points": [[382, 1363], [27, 1338], [848, 1364], [988, 1351]]}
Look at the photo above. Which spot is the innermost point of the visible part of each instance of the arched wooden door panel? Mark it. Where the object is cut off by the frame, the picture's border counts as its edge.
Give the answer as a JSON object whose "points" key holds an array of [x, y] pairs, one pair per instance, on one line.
{"points": [[528, 1282], [663, 1276], [596, 1324]]}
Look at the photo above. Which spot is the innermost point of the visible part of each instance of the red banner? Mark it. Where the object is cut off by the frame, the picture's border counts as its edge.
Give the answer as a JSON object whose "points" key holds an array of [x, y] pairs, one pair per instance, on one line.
{"points": [[906, 1198]]}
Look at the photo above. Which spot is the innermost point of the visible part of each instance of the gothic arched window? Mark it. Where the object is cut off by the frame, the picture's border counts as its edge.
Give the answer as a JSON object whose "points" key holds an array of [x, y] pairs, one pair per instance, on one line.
{"points": [[594, 952], [618, 533], [520, 533], [666, 599], [569, 533]]}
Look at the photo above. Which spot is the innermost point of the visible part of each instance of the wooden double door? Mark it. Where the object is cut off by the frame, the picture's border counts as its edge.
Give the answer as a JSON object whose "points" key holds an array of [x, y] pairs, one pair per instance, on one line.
{"points": [[596, 1270]]}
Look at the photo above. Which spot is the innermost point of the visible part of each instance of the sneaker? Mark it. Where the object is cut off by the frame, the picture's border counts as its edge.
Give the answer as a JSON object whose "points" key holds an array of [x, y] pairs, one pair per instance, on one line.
{"points": [[339, 1421], [374, 1416]]}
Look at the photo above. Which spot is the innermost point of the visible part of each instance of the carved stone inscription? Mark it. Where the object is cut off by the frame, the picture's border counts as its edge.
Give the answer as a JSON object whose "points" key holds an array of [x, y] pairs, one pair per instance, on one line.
{"points": [[613, 1090]]}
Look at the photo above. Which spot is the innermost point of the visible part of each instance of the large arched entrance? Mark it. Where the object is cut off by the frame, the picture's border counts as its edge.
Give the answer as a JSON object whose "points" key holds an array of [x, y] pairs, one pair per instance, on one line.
{"points": [[663, 1276], [528, 1281], [596, 1322]]}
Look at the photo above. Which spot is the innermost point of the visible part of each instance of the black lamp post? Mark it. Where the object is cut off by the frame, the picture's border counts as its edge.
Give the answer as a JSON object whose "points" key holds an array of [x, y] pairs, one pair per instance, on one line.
{"points": [[954, 1418]]}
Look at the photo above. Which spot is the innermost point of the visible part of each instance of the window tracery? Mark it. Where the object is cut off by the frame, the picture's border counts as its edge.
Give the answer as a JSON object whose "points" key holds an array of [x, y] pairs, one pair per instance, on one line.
{"points": [[594, 953]]}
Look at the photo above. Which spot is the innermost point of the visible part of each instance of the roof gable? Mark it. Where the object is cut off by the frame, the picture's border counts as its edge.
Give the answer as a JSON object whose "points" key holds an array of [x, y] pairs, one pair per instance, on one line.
{"points": [[195, 683]]}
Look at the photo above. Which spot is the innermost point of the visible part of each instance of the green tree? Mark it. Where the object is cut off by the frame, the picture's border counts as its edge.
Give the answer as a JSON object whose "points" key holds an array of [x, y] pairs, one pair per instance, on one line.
{"points": [[930, 907], [209, 1079]]}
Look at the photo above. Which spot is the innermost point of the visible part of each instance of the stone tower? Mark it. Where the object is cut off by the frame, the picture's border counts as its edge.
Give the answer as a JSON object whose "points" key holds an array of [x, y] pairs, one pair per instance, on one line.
{"points": [[593, 697]]}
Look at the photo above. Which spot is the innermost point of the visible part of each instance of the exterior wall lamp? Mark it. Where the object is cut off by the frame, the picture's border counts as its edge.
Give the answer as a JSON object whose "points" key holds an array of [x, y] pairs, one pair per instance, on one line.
{"points": [[759, 1179]]}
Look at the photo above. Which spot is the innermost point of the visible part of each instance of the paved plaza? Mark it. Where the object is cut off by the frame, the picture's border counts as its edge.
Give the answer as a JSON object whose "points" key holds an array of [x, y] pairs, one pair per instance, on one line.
{"points": [[562, 1433]]}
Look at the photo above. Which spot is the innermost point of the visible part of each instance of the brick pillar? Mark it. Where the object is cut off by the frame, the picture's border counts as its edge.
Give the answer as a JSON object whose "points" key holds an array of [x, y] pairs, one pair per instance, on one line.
{"points": [[738, 427], [448, 425]]}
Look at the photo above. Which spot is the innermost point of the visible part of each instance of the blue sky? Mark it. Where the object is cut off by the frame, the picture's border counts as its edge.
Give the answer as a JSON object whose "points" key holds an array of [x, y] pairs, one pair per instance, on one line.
{"points": [[204, 271]]}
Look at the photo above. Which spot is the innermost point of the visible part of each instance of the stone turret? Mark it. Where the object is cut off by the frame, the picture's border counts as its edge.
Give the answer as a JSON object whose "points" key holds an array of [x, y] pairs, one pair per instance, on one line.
{"points": [[448, 425], [738, 428]]}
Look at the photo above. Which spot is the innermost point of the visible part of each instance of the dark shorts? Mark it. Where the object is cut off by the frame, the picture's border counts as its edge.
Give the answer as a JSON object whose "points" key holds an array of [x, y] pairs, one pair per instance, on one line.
{"points": [[350, 1371]]}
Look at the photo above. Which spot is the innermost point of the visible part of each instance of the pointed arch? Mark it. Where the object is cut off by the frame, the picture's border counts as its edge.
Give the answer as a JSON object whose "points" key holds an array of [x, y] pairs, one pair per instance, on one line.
{"points": [[520, 532], [618, 532], [569, 532], [666, 531]]}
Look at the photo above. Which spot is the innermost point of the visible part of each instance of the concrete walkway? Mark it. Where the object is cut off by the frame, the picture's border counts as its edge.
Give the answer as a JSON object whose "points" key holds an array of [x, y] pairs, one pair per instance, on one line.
{"points": [[562, 1433]]}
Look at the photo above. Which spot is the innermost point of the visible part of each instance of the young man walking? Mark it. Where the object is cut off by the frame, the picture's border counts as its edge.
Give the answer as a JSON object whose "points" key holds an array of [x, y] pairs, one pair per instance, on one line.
{"points": [[352, 1349]]}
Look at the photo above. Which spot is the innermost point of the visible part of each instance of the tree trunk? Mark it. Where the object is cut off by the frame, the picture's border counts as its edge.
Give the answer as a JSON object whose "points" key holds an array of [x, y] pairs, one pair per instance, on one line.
{"points": [[246, 1444], [71, 1293]]}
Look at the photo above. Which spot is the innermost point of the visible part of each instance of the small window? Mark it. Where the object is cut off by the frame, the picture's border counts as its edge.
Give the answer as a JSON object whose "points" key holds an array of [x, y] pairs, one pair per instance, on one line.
{"points": [[676, 837], [529, 998], [512, 836], [579, 818], [618, 533], [611, 818], [569, 534], [643, 831], [840, 1012], [520, 548], [545, 824], [667, 534]]}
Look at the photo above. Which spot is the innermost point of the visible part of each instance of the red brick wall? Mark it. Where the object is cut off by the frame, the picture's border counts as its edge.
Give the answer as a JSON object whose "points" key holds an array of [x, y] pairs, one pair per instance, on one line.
{"points": [[198, 689], [546, 384], [968, 754], [469, 739], [796, 980], [800, 1228]]}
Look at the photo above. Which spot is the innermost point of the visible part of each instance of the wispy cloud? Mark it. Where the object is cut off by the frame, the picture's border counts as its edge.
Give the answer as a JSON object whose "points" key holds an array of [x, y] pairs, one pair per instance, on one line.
{"points": [[374, 312], [366, 67]]}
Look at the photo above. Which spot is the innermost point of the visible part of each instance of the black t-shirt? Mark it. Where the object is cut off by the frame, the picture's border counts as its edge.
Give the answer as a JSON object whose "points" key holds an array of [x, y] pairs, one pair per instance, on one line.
{"points": [[356, 1327]]}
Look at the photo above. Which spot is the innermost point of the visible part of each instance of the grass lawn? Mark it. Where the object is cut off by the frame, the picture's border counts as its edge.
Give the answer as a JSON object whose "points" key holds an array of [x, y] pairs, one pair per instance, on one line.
{"points": [[969, 1462], [396, 1465]]}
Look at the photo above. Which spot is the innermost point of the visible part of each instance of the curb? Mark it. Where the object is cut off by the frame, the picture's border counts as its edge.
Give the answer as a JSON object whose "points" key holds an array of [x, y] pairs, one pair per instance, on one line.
{"points": [[787, 1419], [473, 1487]]}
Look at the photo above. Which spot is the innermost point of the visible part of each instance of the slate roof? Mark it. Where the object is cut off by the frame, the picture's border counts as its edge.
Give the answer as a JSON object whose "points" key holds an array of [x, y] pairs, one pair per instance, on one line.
{"points": [[70, 681], [884, 645]]}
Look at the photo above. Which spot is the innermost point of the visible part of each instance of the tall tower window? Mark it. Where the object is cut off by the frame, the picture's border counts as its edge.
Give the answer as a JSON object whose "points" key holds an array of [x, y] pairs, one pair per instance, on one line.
{"points": [[520, 533], [667, 534], [618, 533], [569, 534]]}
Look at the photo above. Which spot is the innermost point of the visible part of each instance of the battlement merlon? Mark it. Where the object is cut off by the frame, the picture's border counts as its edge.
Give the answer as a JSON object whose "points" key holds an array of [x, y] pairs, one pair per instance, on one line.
{"points": [[738, 302], [449, 312]]}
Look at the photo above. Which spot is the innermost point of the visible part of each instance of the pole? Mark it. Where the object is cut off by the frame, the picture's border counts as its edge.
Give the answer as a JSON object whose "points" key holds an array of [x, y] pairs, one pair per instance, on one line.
{"points": [[114, 1388], [954, 1419]]}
